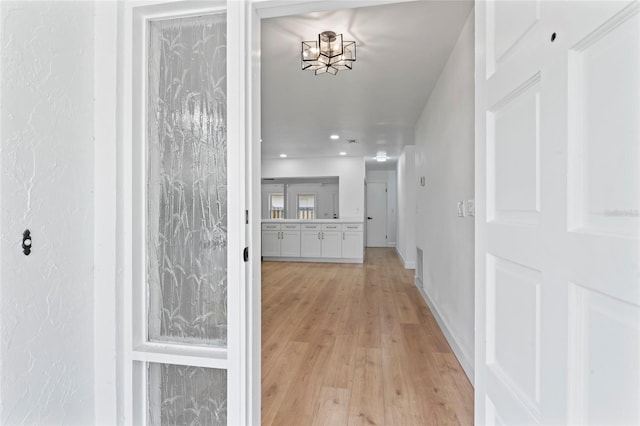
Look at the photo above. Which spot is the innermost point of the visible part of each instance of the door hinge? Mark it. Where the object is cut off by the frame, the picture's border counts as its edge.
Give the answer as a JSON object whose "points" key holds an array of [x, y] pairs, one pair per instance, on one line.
{"points": [[386, 236], [245, 254], [246, 217]]}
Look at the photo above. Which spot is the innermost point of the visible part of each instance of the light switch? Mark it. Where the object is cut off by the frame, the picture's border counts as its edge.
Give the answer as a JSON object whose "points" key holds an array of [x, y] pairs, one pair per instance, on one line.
{"points": [[460, 208], [471, 208]]}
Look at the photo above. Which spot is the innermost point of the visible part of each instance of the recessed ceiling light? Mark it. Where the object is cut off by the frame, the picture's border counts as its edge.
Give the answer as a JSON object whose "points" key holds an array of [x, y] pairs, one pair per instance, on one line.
{"points": [[334, 137], [283, 155], [381, 157], [343, 153]]}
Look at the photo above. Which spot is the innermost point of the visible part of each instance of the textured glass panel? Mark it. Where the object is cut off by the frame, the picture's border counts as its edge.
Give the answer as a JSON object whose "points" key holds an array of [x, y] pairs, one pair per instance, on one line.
{"points": [[187, 181], [185, 395]]}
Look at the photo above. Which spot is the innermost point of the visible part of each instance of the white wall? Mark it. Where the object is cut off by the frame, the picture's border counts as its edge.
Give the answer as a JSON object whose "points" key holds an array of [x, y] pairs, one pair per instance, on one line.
{"points": [[445, 156], [388, 177], [350, 171], [46, 152], [406, 177]]}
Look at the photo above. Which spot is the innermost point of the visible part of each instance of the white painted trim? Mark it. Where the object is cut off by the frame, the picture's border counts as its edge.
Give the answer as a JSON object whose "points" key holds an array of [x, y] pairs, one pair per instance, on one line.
{"points": [[407, 264], [104, 214], [465, 361], [391, 244]]}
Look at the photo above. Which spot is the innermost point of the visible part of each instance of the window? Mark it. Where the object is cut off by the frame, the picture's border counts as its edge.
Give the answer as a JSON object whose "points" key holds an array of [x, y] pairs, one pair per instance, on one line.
{"points": [[306, 206], [276, 206]]}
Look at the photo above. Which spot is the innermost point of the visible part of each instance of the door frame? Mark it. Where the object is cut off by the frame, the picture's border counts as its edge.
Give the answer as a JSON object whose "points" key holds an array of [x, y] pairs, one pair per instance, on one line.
{"points": [[112, 254]]}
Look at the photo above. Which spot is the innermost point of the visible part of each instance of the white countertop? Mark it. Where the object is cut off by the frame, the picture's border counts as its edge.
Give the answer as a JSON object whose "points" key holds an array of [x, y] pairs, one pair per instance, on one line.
{"points": [[342, 220]]}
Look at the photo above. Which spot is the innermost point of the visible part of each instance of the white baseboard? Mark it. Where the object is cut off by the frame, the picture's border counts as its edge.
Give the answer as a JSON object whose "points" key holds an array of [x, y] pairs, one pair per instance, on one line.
{"points": [[407, 264], [391, 244], [465, 362]]}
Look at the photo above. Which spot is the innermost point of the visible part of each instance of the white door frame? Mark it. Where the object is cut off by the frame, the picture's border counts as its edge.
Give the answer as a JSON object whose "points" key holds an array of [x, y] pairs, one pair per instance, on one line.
{"points": [[112, 165]]}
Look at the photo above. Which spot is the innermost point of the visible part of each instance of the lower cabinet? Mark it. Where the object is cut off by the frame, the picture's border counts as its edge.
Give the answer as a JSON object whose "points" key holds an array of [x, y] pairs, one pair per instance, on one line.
{"points": [[313, 241], [280, 240], [352, 244], [331, 237], [270, 243], [310, 242]]}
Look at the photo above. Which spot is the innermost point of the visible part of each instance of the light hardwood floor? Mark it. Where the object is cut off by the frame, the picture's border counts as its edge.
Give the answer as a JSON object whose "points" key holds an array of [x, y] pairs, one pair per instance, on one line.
{"points": [[355, 345]]}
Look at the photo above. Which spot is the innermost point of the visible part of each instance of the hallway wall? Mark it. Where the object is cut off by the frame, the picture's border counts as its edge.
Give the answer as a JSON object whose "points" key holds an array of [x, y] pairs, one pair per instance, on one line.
{"points": [[406, 246], [444, 138], [46, 151]]}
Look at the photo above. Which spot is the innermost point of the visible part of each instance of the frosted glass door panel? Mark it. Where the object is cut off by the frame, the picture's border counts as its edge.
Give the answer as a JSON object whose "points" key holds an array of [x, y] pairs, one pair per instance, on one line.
{"points": [[185, 395], [187, 181]]}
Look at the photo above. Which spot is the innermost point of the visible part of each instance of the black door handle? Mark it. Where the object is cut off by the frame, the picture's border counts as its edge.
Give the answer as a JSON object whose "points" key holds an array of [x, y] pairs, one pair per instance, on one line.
{"points": [[369, 218]]}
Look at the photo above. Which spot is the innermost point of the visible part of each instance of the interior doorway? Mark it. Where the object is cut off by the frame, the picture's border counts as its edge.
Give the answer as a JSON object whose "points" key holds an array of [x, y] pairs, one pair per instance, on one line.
{"points": [[376, 214]]}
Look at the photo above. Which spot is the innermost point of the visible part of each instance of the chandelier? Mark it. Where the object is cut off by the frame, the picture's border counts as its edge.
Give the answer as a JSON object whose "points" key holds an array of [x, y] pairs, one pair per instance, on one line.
{"points": [[329, 54]]}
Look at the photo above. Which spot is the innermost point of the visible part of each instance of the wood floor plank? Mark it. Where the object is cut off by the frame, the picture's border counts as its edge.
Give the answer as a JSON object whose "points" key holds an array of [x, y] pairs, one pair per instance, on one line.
{"points": [[355, 344], [333, 407], [366, 406]]}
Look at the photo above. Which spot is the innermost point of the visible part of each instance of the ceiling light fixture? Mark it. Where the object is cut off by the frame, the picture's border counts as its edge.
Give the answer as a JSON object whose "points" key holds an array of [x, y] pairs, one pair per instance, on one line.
{"points": [[334, 137], [283, 155], [381, 158], [329, 54], [343, 153]]}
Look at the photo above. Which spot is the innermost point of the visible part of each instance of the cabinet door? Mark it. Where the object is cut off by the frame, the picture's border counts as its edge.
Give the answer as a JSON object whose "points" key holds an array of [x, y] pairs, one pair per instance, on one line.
{"points": [[352, 245], [310, 244], [290, 244], [271, 243], [331, 244]]}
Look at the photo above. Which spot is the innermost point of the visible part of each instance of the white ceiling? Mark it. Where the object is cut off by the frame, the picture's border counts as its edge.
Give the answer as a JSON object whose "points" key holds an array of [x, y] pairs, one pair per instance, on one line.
{"points": [[401, 50]]}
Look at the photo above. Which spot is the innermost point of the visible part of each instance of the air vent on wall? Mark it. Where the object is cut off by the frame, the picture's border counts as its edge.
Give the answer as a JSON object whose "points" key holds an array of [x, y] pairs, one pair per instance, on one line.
{"points": [[351, 141]]}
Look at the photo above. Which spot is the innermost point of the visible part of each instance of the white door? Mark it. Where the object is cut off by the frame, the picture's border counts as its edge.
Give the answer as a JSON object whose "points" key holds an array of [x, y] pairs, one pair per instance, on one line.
{"points": [[186, 355], [558, 213], [376, 214]]}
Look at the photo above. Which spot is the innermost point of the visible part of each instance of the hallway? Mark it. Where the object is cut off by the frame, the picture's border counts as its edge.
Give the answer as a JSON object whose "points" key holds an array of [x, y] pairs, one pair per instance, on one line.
{"points": [[355, 344]]}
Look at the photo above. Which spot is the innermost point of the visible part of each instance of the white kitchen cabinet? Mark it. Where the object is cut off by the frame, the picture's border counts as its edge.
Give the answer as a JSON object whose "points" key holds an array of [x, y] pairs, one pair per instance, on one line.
{"points": [[280, 240], [290, 243], [313, 241], [270, 243], [352, 241], [310, 243], [331, 237]]}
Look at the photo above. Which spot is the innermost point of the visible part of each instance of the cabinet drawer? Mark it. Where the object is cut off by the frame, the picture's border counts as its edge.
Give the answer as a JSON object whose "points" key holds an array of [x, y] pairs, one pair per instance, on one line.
{"points": [[336, 227], [310, 226], [352, 227], [271, 226], [290, 226]]}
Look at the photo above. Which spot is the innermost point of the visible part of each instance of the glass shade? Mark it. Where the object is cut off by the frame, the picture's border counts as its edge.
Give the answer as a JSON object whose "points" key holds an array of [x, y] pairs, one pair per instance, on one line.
{"points": [[329, 54]]}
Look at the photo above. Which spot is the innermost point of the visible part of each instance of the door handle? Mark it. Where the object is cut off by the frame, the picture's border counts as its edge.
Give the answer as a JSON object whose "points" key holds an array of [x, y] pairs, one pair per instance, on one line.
{"points": [[368, 217]]}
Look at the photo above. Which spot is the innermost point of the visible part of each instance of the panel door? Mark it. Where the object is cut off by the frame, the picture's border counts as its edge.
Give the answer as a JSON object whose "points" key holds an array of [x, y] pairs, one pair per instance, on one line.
{"points": [[271, 243], [352, 244], [290, 243], [558, 213], [310, 244], [331, 244], [376, 214]]}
